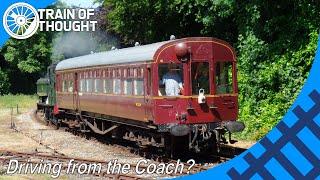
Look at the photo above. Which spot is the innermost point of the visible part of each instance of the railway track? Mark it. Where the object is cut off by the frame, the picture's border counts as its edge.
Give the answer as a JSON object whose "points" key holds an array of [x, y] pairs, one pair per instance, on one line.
{"points": [[227, 152], [150, 155], [47, 146]]}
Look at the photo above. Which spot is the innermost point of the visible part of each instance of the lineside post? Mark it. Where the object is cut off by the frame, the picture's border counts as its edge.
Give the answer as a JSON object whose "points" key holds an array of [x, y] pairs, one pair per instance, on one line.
{"points": [[11, 116]]}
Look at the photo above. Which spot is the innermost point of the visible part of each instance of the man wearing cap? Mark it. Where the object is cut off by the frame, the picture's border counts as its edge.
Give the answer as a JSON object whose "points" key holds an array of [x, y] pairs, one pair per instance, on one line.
{"points": [[172, 81]]}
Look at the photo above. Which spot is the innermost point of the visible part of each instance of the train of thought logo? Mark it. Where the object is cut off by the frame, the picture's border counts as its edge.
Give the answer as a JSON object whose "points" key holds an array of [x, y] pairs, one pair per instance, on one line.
{"points": [[21, 20]]}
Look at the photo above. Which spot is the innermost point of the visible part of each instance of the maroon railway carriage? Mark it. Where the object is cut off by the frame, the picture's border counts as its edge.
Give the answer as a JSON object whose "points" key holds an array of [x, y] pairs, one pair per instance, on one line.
{"points": [[120, 92]]}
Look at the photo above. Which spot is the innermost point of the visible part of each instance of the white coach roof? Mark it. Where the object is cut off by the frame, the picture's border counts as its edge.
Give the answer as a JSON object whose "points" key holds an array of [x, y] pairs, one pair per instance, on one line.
{"points": [[118, 56]]}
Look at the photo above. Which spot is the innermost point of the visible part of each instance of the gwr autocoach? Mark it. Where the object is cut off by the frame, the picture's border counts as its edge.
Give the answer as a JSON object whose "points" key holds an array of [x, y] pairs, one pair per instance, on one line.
{"points": [[121, 93]]}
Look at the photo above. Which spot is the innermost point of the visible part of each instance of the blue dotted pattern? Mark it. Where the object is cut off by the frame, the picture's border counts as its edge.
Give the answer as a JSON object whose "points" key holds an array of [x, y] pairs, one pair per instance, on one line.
{"points": [[291, 150]]}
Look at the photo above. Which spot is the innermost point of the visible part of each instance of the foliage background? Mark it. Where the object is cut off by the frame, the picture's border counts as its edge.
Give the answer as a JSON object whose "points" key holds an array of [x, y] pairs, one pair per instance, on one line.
{"points": [[275, 42]]}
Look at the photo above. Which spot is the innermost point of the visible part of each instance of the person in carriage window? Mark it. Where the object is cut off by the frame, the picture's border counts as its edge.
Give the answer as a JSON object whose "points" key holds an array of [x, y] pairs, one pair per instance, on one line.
{"points": [[172, 81], [200, 78]]}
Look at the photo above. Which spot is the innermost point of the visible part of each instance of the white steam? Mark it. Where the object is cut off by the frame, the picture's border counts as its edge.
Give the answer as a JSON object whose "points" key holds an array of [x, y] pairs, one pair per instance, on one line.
{"points": [[72, 44]]}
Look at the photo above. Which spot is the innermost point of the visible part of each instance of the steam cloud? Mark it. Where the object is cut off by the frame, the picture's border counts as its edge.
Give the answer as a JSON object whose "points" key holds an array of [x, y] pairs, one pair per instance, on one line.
{"points": [[73, 44]]}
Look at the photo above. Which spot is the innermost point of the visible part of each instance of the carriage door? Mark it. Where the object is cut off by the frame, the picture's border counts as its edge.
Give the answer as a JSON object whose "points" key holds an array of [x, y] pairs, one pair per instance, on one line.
{"points": [[147, 93], [225, 89], [75, 92]]}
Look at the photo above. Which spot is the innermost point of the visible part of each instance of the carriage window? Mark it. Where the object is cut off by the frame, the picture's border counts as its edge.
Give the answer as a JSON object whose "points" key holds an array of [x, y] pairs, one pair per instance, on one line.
{"points": [[82, 85], [200, 77], [64, 86], [89, 83], [97, 85], [70, 87], [224, 77], [171, 79], [138, 87], [107, 86], [127, 87], [116, 86], [79, 85]]}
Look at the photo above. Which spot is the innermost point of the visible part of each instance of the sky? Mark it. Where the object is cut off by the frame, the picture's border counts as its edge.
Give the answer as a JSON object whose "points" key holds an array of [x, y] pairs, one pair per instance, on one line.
{"points": [[81, 3]]}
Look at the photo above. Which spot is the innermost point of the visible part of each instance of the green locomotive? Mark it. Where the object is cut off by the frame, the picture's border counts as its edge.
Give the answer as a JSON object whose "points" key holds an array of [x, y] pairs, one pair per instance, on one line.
{"points": [[47, 94]]}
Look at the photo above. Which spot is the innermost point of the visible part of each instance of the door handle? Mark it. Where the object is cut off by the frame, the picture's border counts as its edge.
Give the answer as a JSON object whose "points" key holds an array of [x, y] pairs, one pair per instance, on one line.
{"points": [[230, 105]]}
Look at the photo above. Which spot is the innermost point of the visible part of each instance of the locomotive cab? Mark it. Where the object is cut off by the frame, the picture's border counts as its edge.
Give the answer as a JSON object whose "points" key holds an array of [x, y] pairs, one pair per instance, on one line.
{"points": [[42, 90], [46, 93]]}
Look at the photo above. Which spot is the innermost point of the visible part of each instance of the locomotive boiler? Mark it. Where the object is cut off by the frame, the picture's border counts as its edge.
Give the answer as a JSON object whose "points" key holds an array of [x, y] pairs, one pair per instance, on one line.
{"points": [[123, 93]]}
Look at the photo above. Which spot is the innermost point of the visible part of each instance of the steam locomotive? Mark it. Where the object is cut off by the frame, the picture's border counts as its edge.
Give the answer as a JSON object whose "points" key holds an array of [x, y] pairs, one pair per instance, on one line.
{"points": [[120, 93]]}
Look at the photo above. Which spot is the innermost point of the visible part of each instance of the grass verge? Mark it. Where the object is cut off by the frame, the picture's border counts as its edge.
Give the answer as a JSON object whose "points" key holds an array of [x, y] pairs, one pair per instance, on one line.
{"points": [[23, 101]]}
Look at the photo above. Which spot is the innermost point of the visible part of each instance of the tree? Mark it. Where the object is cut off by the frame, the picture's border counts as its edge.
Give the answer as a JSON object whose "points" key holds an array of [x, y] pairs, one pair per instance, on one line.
{"points": [[27, 60], [151, 21]]}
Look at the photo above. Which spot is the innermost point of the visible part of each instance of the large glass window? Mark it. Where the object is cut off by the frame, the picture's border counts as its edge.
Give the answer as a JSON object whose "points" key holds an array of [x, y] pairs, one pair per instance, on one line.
{"points": [[171, 79], [89, 83], [97, 85], [223, 78], [116, 86], [70, 87], [64, 86], [200, 77], [108, 86], [138, 87], [83, 85], [127, 87]]}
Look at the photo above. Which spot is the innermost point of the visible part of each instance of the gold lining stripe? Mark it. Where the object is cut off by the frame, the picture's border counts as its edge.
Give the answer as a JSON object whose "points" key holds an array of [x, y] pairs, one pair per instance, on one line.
{"points": [[150, 97], [193, 97]]}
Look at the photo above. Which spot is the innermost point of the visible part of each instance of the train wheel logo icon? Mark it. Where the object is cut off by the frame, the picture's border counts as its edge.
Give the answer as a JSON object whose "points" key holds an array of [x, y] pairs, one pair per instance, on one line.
{"points": [[21, 20]]}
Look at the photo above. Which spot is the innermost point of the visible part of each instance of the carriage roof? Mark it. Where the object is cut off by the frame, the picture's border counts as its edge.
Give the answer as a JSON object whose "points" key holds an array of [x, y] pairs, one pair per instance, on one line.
{"points": [[141, 53]]}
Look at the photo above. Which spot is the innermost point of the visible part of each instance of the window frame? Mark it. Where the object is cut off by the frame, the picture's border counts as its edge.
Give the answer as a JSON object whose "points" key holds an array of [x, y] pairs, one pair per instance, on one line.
{"points": [[209, 77], [232, 79]]}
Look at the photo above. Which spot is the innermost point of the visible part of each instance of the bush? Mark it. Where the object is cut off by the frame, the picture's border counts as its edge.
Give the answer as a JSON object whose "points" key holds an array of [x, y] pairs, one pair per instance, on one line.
{"points": [[4, 83]]}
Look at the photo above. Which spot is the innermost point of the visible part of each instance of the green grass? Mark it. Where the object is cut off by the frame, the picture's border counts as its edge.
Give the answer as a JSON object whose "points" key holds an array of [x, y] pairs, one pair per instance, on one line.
{"points": [[24, 101]]}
